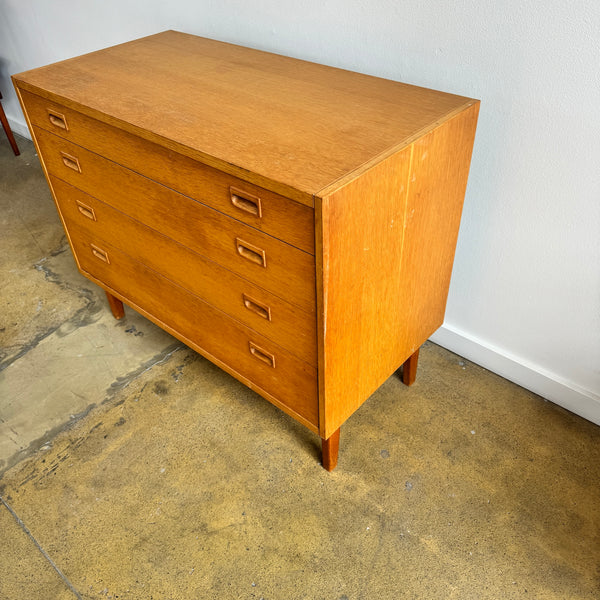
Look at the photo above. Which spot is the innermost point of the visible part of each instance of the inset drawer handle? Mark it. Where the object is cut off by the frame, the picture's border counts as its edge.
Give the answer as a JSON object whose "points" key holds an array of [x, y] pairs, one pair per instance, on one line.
{"points": [[70, 161], [101, 254], [246, 202], [250, 252], [262, 355], [86, 211], [262, 310], [58, 119]]}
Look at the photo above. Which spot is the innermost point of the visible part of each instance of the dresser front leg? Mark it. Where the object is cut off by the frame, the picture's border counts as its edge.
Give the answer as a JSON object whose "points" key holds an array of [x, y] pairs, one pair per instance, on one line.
{"points": [[409, 369], [329, 449], [116, 306]]}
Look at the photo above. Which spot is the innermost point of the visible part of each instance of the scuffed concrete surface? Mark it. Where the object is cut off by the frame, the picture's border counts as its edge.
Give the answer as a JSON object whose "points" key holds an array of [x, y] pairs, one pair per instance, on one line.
{"points": [[188, 485], [31, 233]]}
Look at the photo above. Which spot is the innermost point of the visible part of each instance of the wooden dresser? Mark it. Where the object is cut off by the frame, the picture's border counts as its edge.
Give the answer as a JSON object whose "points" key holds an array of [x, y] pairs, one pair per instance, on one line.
{"points": [[293, 223]]}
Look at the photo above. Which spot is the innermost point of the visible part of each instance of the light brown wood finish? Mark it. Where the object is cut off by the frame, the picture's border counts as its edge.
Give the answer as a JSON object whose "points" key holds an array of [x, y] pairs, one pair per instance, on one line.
{"points": [[291, 381], [280, 321], [116, 306], [289, 272], [385, 275], [409, 369], [294, 223], [440, 169], [316, 123], [281, 218], [330, 449], [360, 332]]}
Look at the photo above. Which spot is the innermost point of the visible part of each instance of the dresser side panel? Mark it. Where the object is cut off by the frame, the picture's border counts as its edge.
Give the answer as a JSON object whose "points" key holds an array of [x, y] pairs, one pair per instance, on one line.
{"points": [[438, 182], [359, 253], [386, 249]]}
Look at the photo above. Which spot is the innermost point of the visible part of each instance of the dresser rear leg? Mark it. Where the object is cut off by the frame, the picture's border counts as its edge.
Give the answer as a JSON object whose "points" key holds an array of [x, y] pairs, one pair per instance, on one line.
{"points": [[409, 369], [116, 306], [330, 448]]}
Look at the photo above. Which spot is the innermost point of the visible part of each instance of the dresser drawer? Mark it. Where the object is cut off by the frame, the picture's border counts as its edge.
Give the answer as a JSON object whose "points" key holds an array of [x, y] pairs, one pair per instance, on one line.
{"points": [[288, 381], [268, 262], [280, 321], [269, 212]]}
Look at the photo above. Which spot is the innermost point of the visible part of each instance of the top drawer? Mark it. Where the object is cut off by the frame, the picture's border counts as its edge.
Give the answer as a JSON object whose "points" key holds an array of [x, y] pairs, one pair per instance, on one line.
{"points": [[278, 216]]}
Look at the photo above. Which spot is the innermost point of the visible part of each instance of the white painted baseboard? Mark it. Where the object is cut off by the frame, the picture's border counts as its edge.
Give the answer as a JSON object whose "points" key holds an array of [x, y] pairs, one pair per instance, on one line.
{"points": [[532, 377]]}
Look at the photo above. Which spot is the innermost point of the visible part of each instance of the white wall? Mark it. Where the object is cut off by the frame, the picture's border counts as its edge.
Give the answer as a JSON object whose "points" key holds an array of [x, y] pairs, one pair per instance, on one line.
{"points": [[525, 294]]}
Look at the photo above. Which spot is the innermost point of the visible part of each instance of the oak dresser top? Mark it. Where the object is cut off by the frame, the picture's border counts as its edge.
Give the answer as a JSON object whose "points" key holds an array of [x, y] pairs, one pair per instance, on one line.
{"points": [[298, 125]]}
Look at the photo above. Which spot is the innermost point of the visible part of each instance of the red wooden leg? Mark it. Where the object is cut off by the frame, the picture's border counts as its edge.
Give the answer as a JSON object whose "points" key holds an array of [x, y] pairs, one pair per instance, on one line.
{"points": [[330, 448], [8, 131], [409, 369], [116, 306]]}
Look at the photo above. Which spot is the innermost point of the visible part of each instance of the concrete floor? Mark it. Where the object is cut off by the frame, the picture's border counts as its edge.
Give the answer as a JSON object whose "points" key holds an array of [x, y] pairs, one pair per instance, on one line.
{"points": [[132, 468]]}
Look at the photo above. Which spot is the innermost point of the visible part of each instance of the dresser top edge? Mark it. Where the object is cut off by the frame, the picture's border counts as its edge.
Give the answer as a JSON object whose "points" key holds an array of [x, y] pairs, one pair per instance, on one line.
{"points": [[303, 197], [300, 148]]}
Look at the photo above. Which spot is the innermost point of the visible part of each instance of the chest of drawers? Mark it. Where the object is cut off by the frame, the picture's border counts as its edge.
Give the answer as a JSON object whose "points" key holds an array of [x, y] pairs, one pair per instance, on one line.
{"points": [[293, 223]]}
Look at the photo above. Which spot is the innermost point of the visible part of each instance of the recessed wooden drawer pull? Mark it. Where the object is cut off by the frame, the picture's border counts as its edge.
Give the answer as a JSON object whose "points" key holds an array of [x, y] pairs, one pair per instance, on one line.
{"points": [[262, 355], [262, 310], [99, 253], [250, 252], [85, 210], [246, 202], [70, 161], [57, 119]]}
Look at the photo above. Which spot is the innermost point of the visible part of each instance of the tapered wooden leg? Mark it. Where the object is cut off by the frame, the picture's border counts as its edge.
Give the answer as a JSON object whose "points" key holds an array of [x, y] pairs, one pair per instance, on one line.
{"points": [[409, 369], [330, 448], [116, 306], [8, 131]]}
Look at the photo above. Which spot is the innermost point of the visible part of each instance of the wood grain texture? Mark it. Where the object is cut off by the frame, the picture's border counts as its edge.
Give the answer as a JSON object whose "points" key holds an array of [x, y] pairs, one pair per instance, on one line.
{"points": [[440, 169], [287, 325], [291, 122], [292, 221], [386, 272], [289, 271], [291, 381], [362, 235]]}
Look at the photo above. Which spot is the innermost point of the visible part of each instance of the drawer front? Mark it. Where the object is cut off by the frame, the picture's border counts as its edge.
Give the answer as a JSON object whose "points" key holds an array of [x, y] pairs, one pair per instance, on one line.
{"points": [[270, 368], [280, 321], [260, 258], [278, 216]]}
